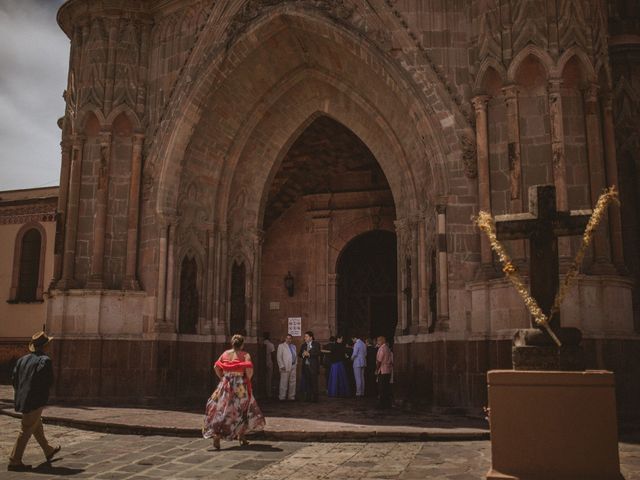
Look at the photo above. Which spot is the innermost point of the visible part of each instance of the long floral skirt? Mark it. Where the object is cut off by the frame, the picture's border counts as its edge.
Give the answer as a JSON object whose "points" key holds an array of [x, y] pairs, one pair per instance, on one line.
{"points": [[231, 411]]}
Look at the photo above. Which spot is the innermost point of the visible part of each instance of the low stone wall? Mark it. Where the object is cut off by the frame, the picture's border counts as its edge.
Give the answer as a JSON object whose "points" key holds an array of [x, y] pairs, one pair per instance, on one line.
{"points": [[442, 374], [135, 371]]}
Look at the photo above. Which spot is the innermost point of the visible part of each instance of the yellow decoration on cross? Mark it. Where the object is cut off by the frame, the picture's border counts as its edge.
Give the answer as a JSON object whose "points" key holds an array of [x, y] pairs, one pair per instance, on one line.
{"points": [[486, 223]]}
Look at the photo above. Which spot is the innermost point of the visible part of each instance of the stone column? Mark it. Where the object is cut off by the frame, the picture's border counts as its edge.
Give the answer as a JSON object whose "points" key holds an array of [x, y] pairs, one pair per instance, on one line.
{"points": [[63, 196], [100, 220], [443, 271], [222, 289], [403, 306], [423, 280], [170, 301], [133, 216], [71, 224], [219, 290], [559, 162], [615, 221], [415, 274], [484, 185], [515, 165], [597, 178], [207, 291], [162, 275], [513, 143], [112, 25], [319, 295], [332, 303], [254, 319]]}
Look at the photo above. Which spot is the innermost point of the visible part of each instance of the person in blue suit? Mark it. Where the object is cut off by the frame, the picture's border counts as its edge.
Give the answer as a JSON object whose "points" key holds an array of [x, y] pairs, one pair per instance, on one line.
{"points": [[359, 360]]}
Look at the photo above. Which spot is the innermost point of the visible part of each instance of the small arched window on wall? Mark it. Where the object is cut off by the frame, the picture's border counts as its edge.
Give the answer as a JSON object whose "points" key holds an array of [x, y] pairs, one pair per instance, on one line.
{"points": [[238, 304], [28, 265], [189, 299]]}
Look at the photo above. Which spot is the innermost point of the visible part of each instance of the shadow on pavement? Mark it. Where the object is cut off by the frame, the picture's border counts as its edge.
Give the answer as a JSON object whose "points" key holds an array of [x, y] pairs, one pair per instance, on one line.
{"points": [[47, 468], [253, 447]]}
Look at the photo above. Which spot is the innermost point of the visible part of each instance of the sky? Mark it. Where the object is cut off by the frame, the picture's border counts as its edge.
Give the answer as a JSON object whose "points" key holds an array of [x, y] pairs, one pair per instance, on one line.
{"points": [[34, 59]]}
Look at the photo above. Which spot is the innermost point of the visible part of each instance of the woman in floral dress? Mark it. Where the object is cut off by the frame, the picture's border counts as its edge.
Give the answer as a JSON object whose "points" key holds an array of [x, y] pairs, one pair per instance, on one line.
{"points": [[232, 410]]}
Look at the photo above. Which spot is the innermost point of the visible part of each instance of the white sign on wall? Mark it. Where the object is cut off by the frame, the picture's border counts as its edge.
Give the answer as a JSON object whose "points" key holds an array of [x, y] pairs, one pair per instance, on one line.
{"points": [[295, 326]]}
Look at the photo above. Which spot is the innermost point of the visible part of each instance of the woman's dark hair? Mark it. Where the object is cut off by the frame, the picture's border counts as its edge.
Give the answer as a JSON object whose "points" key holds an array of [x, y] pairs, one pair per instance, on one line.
{"points": [[237, 341]]}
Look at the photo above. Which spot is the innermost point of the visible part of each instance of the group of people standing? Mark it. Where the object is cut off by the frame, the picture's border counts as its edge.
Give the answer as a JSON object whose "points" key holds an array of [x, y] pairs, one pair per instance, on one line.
{"points": [[346, 367]]}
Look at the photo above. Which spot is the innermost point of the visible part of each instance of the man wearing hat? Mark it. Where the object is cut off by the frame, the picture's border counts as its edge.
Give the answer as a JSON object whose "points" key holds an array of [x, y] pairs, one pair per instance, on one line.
{"points": [[32, 378]]}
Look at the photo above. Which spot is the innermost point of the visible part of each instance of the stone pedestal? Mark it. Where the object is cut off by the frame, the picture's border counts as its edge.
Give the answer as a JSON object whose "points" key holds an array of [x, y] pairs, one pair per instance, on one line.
{"points": [[533, 349], [553, 425]]}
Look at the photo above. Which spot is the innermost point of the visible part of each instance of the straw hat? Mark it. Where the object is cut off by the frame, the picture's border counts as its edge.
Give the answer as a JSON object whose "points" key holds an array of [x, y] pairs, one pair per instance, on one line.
{"points": [[39, 340]]}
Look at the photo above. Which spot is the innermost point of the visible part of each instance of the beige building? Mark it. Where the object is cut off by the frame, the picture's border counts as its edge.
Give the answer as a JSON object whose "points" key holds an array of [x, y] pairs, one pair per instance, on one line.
{"points": [[27, 234]]}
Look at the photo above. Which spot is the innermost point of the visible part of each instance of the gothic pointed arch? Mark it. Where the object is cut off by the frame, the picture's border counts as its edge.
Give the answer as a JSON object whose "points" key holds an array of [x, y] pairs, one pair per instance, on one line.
{"points": [[188, 110]]}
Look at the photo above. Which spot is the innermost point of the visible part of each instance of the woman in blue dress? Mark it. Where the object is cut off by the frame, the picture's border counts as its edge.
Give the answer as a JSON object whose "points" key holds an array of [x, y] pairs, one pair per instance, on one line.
{"points": [[338, 379]]}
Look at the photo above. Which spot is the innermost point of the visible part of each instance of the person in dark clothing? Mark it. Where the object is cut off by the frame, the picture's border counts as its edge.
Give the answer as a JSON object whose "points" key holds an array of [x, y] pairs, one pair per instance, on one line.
{"points": [[32, 377], [370, 372], [310, 354], [338, 381], [326, 357]]}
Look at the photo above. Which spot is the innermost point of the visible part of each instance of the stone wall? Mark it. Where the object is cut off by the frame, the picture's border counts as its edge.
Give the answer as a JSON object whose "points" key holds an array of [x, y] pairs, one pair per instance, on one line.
{"points": [[179, 115]]}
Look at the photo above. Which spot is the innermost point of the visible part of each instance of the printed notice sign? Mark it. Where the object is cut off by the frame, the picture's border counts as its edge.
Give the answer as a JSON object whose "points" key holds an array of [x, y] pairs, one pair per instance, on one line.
{"points": [[295, 326]]}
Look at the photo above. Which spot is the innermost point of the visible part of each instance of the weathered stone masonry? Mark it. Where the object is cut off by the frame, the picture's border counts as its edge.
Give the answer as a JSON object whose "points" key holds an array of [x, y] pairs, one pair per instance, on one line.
{"points": [[177, 165]]}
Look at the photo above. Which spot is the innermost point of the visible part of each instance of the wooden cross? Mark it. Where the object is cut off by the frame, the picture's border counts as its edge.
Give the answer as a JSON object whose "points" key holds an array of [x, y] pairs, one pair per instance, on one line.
{"points": [[542, 225]]}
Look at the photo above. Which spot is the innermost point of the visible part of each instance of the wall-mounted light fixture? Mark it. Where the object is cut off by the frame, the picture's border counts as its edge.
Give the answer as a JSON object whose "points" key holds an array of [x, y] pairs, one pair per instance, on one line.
{"points": [[288, 283]]}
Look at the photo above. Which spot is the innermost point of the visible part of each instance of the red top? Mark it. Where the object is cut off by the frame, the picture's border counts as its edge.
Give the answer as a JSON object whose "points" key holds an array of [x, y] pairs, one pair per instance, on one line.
{"points": [[239, 364]]}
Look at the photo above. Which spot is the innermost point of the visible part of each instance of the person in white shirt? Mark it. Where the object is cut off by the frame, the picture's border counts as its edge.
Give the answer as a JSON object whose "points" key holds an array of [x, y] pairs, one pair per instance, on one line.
{"points": [[269, 351], [287, 355]]}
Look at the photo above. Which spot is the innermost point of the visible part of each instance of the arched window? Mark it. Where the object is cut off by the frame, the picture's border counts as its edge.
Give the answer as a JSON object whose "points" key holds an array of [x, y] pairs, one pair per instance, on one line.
{"points": [[189, 299], [238, 303], [28, 265]]}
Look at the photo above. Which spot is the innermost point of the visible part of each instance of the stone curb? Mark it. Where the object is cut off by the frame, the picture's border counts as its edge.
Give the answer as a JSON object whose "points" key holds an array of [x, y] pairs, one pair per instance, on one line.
{"points": [[293, 436]]}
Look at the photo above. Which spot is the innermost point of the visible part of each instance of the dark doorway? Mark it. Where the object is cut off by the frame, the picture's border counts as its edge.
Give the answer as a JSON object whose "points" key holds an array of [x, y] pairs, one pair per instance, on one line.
{"points": [[367, 285], [188, 317]]}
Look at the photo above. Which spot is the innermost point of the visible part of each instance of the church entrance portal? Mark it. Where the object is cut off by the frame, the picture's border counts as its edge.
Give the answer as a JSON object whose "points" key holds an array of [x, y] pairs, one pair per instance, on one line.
{"points": [[367, 285], [329, 222]]}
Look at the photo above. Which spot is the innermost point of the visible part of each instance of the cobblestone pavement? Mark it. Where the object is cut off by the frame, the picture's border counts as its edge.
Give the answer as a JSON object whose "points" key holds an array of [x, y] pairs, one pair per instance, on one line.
{"points": [[108, 456]]}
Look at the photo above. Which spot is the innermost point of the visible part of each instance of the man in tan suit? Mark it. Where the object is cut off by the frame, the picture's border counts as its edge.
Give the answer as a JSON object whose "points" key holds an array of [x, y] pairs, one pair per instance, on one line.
{"points": [[287, 356]]}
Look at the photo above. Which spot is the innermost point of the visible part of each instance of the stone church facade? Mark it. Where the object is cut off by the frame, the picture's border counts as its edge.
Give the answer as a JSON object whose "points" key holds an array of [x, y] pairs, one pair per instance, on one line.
{"points": [[211, 149]]}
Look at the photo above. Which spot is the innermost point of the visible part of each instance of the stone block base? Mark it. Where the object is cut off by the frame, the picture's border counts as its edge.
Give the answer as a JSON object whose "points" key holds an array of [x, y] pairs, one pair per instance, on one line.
{"points": [[565, 358], [553, 425]]}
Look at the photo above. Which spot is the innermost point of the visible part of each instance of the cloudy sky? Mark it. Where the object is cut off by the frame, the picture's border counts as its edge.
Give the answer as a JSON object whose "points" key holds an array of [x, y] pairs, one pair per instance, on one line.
{"points": [[34, 56]]}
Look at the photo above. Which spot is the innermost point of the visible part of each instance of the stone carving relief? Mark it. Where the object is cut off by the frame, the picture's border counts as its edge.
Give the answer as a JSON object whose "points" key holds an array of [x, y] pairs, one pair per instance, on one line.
{"points": [[600, 32], [93, 75], [529, 24], [627, 116], [127, 62], [174, 34], [572, 23], [489, 30], [469, 160], [193, 216]]}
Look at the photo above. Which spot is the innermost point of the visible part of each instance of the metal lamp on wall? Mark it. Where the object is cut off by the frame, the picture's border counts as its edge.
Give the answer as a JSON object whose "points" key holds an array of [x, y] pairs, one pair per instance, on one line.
{"points": [[288, 283]]}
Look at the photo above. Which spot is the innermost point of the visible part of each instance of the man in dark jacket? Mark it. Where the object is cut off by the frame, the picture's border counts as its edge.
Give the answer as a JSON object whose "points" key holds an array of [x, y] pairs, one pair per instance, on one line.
{"points": [[310, 354], [32, 378]]}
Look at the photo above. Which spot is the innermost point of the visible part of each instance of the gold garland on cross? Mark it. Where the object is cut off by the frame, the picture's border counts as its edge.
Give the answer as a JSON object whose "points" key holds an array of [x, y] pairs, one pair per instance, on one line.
{"points": [[486, 223]]}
